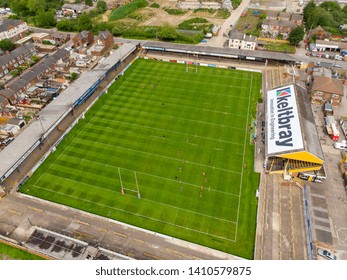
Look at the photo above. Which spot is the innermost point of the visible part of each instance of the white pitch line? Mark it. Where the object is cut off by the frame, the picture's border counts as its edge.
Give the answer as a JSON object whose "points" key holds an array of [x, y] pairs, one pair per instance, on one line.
{"points": [[152, 175], [151, 201], [182, 106], [170, 131], [120, 178], [185, 90], [243, 161], [187, 80], [134, 214], [137, 185], [161, 156], [189, 120]]}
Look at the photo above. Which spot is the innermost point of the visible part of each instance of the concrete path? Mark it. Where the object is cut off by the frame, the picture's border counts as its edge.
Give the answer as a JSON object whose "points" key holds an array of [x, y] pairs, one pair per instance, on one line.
{"points": [[219, 41]]}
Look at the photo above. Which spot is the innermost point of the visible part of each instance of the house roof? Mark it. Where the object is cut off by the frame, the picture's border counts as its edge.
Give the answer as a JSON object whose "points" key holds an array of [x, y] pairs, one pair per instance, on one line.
{"points": [[250, 38], [103, 35], [36, 70], [329, 85], [76, 7], [15, 53], [284, 15], [271, 14], [235, 34], [83, 34], [58, 35], [297, 17], [287, 23], [282, 23], [15, 121], [272, 22], [2, 99], [7, 24], [7, 93]]}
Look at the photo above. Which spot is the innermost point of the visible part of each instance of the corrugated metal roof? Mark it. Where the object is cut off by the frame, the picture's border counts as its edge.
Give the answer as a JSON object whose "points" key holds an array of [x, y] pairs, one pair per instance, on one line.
{"points": [[206, 50], [56, 109]]}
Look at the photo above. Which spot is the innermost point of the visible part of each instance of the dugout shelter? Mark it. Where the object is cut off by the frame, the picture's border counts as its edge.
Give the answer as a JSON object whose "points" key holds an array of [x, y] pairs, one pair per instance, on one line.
{"points": [[292, 141]]}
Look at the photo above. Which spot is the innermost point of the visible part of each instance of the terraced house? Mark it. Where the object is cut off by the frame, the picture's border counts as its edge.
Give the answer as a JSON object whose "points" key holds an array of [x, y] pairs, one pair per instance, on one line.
{"points": [[17, 57], [13, 29]]}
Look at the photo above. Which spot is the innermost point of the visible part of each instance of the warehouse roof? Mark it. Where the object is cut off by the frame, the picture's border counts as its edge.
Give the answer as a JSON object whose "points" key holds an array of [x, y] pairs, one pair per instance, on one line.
{"points": [[214, 51], [290, 123], [56, 110]]}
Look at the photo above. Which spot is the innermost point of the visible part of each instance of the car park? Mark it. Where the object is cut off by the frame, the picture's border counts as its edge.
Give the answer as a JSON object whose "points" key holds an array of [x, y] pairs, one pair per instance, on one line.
{"points": [[326, 254]]}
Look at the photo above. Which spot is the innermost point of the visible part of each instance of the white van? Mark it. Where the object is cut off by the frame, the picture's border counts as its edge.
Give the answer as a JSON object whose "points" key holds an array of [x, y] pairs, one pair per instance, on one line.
{"points": [[340, 145]]}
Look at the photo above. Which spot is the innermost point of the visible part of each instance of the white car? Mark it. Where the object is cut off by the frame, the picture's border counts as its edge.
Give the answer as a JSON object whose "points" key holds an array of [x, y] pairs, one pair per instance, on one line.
{"points": [[326, 254]]}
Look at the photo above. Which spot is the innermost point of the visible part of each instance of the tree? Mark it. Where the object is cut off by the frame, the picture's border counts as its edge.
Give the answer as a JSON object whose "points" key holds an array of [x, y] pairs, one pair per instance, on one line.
{"points": [[167, 32], [296, 36], [73, 76], [36, 6], [20, 8], [101, 6], [330, 6], [6, 45], [308, 10], [45, 19], [67, 25], [88, 2], [84, 22]]}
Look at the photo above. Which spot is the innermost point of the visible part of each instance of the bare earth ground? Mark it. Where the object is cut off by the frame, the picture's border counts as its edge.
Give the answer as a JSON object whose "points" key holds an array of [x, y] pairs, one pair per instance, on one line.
{"points": [[156, 17]]}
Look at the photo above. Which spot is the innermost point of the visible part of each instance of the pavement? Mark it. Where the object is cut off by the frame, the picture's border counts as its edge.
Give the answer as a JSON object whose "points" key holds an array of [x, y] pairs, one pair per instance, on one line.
{"points": [[219, 41], [328, 201], [20, 215]]}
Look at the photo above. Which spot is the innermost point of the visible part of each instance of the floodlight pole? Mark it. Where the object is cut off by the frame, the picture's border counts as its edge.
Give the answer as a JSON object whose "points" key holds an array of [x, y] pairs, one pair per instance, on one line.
{"points": [[43, 130]]}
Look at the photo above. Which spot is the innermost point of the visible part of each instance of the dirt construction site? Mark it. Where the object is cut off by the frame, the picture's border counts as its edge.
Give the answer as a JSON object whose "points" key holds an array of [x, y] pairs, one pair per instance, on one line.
{"points": [[151, 16]]}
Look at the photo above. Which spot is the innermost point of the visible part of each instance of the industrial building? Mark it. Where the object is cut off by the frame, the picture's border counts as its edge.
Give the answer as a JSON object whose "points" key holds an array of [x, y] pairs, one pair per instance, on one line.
{"points": [[292, 141]]}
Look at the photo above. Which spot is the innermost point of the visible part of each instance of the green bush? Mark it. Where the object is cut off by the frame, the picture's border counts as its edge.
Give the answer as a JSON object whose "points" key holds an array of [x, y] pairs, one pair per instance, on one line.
{"points": [[155, 5], [236, 3], [174, 11], [223, 13], [136, 15], [211, 11], [15, 73], [127, 9], [195, 24]]}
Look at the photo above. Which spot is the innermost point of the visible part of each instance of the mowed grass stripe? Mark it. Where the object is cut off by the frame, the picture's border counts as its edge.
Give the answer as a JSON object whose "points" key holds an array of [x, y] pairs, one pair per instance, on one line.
{"points": [[115, 124], [171, 200], [129, 131], [217, 178], [201, 224], [186, 146]]}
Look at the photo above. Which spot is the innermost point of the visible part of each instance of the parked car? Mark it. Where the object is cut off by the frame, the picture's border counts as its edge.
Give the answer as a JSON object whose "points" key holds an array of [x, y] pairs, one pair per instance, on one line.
{"points": [[7, 141], [326, 254]]}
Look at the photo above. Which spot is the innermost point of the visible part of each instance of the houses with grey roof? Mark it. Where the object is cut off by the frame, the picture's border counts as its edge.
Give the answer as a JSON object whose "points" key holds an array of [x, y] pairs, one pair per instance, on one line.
{"points": [[280, 23], [17, 57], [238, 40], [13, 29]]}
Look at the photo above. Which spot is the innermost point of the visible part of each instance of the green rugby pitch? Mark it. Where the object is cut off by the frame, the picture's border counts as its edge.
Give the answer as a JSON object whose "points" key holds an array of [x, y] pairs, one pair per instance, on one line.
{"points": [[178, 138]]}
